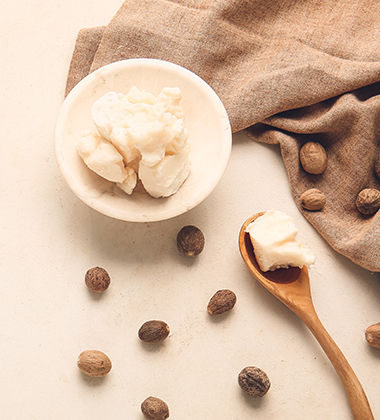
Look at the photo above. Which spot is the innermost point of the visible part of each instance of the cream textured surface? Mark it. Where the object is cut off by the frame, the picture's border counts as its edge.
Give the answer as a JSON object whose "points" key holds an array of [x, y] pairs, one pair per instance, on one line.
{"points": [[49, 239]]}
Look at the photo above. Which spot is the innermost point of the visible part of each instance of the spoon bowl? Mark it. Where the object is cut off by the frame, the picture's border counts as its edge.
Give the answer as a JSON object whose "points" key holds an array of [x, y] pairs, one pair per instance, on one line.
{"points": [[292, 287]]}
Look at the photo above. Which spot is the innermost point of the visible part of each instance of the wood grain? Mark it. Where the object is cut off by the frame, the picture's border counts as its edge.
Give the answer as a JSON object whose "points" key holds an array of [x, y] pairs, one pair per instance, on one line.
{"points": [[292, 287]]}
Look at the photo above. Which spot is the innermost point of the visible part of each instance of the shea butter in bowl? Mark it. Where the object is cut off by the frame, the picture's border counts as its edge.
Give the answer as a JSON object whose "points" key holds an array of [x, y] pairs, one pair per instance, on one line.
{"points": [[201, 122]]}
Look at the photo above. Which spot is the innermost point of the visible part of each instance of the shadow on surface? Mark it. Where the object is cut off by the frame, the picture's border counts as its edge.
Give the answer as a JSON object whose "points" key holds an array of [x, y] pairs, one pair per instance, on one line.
{"points": [[153, 347], [94, 295], [254, 402], [90, 381], [144, 243], [217, 319]]}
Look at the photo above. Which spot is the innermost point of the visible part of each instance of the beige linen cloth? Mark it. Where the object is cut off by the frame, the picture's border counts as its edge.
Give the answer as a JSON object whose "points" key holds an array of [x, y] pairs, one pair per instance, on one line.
{"points": [[288, 71]]}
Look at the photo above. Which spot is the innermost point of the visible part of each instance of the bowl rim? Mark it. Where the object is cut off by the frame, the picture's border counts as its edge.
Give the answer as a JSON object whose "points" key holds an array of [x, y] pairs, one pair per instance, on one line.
{"points": [[108, 70]]}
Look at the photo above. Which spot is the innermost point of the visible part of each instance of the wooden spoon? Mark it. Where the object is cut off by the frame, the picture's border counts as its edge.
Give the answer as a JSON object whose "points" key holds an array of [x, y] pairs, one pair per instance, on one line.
{"points": [[292, 287]]}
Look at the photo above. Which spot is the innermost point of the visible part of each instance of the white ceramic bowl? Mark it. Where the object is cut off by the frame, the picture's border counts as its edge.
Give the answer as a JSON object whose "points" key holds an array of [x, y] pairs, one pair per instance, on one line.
{"points": [[205, 118]]}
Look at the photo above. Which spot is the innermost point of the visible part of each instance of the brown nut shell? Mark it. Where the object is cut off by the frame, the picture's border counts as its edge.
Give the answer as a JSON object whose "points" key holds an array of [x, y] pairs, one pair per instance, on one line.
{"points": [[190, 241], [313, 199], [155, 409], [97, 279], [313, 158], [154, 331], [368, 201], [94, 363], [372, 335], [222, 301], [254, 381]]}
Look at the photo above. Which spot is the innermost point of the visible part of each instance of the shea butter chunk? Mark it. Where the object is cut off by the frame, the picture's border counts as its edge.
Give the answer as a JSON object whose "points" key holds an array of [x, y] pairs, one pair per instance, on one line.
{"points": [[273, 237], [110, 113], [139, 135], [129, 182], [141, 124], [102, 157], [165, 178]]}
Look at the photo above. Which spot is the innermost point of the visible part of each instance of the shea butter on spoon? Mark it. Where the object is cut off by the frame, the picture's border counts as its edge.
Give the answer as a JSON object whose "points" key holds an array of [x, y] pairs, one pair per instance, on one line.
{"points": [[273, 236]]}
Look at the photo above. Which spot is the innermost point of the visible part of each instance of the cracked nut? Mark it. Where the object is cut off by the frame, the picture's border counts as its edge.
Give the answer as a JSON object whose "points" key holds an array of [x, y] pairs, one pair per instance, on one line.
{"points": [[368, 201], [254, 381], [94, 363], [313, 199], [155, 409], [97, 279], [313, 158], [222, 301], [372, 335], [190, 241], [154, 331]]}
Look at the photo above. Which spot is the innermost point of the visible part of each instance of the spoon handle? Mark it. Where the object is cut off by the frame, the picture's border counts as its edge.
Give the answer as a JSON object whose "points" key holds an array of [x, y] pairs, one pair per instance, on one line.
{"points": [[358, 401]]}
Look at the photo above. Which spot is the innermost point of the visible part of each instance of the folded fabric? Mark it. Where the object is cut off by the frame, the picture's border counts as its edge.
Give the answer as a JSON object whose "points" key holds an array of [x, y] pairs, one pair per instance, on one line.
{"points": [[288, 71]]}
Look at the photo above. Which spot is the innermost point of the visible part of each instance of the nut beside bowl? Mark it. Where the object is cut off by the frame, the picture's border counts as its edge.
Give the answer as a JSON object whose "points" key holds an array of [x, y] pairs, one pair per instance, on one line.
{"points": [[205, 119]]}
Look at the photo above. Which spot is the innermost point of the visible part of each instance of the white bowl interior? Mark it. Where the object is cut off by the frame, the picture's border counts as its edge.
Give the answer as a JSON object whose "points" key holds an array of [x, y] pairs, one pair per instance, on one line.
{"points": [[205, 118]]}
